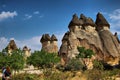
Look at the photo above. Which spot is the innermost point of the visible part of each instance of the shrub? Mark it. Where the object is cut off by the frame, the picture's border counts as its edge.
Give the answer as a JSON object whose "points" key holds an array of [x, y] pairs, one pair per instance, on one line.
{"points": [[98, 65], [42, 59], [74, 65], [85, 53], [26, 76]]}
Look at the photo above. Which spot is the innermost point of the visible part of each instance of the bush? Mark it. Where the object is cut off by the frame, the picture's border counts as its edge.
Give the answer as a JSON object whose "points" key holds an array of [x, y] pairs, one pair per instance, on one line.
{"points": [[60, 67], [26, 76], [74, 65], [98, 65], [42, 59], [85, 53]]}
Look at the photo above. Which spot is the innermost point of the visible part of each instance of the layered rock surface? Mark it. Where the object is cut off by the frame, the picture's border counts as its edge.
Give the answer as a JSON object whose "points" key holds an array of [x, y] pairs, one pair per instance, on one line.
{"points": [[84, 32]]}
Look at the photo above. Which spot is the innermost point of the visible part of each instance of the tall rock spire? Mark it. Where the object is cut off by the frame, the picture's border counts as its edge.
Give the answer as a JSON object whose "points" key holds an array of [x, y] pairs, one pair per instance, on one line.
{"points": [[45, 37], [11, 46], [89, 21], [53, 38], [101, 21], [75, 21], [65, 37], [49, 44], [83, 17], [26, 52]]}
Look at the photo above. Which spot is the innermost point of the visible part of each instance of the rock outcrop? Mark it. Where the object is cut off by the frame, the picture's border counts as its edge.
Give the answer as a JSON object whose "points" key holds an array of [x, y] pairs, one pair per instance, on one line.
{"points": [[84, 32], [11, 47], [26, 52], [49, 44]]}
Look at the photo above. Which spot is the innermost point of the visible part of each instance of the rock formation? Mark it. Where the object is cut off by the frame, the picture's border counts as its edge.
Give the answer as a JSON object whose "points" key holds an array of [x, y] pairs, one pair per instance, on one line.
{"points": [[26, 52], [49, 44], [84, 32], [11, 47]]}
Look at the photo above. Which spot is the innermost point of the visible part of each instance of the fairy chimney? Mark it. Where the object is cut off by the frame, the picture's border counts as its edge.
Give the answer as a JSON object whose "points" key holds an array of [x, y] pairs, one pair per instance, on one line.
{"points": [[49, 44], [95, 36], [89, 25], [101, 23], [54, 44], [75, 24], [11, 47], [26, 52]]}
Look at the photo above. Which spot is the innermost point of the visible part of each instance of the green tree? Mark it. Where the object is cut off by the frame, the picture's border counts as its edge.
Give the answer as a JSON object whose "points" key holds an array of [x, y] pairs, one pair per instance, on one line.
{"points": [[42, 59], [17, 60], [85, 53], [2, 60]]}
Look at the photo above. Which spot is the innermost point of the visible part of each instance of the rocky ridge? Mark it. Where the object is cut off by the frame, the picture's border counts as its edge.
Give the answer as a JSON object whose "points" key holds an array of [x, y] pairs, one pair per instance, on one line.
{"points": [[84, 32]]}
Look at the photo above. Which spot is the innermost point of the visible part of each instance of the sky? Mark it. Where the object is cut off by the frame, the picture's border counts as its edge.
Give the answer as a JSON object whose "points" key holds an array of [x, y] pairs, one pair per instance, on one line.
{"points": [[26, 21]]}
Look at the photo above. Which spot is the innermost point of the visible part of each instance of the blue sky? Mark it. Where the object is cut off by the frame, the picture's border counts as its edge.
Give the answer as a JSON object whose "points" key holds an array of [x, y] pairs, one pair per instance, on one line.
{"points": [[26, 20]]}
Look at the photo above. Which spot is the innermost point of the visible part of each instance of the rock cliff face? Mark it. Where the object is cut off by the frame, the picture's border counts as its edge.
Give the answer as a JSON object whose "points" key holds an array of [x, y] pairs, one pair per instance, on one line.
{"points": [[11, 46], [84, 32], [49, 44]]}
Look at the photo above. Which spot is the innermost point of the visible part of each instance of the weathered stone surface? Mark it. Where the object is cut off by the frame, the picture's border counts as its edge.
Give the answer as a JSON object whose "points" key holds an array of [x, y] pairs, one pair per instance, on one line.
{"points": [[91, 36], [111, 46], [49, 44]]}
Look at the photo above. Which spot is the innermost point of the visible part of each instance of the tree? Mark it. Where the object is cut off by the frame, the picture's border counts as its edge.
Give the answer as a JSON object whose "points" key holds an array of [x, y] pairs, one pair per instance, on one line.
{"points": [[17, 60], [85, 53], [42, 59], [2, 60]]}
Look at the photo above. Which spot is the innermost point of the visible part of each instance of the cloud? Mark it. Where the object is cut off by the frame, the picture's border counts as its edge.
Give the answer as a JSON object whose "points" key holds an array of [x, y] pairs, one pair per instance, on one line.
{"points": [[3, 5], [41, 16], [59, 37], [3, 43], [32, 43], [115, 21], [115, 15], [27, 16], [5, 15], [36, 12]]}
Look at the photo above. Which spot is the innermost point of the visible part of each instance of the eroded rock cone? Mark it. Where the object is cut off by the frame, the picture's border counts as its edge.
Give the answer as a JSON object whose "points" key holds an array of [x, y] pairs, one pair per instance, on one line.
{"points": [[101, 22], [26, 52], [75, 21], [11, 46], [49, 44], [53, 38], [45, 37]]}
